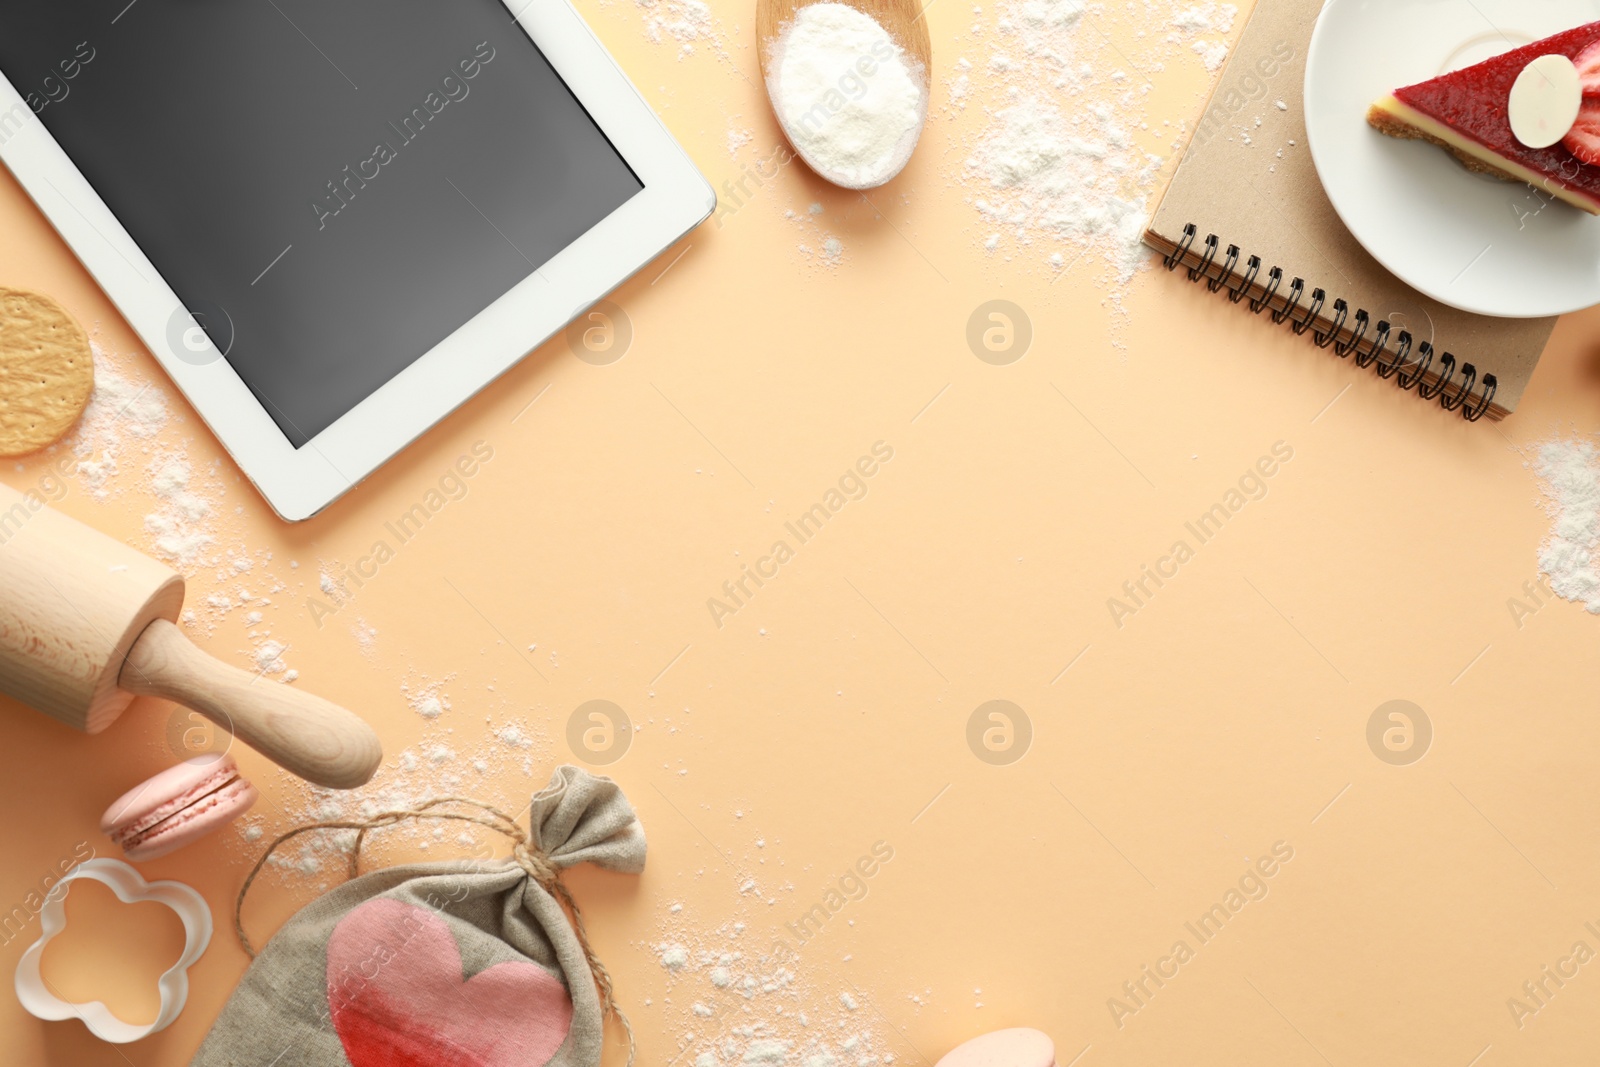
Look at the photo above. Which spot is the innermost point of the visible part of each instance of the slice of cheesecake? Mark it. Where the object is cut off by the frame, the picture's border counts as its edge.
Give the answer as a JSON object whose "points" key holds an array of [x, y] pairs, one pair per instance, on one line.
{"points": [[1469, 112]]}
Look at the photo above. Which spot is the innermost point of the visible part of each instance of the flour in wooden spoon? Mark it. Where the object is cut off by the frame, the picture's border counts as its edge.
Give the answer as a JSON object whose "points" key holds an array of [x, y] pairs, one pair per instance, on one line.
{"points": [[850, 99]]}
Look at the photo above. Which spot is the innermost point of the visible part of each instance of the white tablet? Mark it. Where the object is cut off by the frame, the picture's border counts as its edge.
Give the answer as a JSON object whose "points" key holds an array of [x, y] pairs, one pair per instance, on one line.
{"points": [[333, 222]]}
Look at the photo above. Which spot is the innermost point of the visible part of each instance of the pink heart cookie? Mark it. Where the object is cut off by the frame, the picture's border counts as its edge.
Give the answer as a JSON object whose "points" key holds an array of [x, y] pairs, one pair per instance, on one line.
{"points": [[399, 999]]}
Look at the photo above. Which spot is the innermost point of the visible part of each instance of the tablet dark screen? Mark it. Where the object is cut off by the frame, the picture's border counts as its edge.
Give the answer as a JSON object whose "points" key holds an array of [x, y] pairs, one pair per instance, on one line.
{"points": [[331, 186]]}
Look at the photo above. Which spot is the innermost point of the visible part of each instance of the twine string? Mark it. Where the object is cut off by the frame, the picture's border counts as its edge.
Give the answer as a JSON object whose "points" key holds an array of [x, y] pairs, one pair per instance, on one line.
{"points": [[524, 852]]}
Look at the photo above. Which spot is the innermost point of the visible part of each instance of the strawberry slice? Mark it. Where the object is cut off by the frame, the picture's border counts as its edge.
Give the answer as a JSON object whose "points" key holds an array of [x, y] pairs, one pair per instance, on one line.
{"points": [[1588, 64], [1583, 140]]}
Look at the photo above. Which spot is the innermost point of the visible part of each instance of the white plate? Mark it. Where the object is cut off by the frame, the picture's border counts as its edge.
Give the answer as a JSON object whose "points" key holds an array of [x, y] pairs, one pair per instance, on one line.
{"points": [[1467, 240]]}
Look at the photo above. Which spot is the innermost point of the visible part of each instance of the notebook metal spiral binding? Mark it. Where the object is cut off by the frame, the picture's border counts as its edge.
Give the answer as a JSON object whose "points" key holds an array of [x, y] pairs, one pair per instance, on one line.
{"points": [[1452, 394]]}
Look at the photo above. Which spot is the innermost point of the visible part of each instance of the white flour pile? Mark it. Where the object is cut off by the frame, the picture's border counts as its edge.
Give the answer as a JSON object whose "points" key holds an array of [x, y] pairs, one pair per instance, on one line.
{"points": [[1570, 555], [1058, 171], [850, 99]]}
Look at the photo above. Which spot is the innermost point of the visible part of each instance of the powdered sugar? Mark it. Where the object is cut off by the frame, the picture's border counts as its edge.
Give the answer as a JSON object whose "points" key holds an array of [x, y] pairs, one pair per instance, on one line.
{"points": [[1570, 555]]}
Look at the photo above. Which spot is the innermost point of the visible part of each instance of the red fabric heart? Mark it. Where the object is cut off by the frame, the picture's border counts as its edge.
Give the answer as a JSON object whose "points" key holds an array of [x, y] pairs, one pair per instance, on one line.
{"points": [[398, 997]]}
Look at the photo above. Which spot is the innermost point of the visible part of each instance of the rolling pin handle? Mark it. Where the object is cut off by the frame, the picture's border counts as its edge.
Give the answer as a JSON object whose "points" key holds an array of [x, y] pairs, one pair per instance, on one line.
{"points": [[306, 735]]}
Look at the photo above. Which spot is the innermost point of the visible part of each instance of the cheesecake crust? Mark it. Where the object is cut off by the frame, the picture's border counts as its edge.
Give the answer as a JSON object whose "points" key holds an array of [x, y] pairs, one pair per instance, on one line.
{"points": [[1393, 118], [1386, 123]]}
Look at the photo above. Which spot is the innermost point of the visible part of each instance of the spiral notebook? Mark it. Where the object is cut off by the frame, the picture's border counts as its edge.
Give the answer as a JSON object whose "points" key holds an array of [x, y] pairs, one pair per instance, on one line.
{"points": [[1246, 215]]}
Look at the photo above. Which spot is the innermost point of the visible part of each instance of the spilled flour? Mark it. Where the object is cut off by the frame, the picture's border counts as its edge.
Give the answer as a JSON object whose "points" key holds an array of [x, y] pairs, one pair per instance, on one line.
{"points": [[127, 441], [1066, 163], [819, 245], [685, 23], [122, 436], [123, 416], [734, 1000], [427, 699], [1570, 554], [178, 527], [480, 747], [130, 446]]}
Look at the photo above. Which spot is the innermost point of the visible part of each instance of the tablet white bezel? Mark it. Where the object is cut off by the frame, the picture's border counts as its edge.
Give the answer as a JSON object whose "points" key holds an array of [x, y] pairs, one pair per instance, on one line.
{"points": [[298, 483]]}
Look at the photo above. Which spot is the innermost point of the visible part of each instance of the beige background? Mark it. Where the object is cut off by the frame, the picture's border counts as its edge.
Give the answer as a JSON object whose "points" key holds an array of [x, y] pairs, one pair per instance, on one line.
{"points": [[1228, 714]]}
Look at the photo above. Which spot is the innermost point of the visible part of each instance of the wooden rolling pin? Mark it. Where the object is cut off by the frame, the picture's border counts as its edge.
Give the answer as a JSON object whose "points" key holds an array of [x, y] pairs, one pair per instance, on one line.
{"points": [[87, 623]]}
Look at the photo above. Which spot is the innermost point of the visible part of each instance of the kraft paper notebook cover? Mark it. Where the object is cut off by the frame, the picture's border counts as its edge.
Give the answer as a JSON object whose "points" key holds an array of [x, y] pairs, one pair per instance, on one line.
{"points": [[1257, 225]]}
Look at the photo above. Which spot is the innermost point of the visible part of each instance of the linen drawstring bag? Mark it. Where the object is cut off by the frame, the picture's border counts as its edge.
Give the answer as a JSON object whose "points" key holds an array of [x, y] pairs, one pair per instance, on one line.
{"points": [[455, 964]]}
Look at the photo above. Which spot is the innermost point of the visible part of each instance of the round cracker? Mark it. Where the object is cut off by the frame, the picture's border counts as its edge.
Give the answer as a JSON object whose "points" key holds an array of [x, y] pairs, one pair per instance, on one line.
{"points": [[46, 371]]}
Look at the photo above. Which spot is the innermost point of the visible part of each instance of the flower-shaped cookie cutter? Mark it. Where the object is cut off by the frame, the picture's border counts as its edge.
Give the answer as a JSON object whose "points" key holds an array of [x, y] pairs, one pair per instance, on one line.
{"points": [[131, 888]]}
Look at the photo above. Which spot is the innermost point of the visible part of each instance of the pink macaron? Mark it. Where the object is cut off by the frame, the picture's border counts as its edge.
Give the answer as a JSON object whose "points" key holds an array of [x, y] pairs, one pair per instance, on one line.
{"points": [[1020, 1047], [178, 807]]}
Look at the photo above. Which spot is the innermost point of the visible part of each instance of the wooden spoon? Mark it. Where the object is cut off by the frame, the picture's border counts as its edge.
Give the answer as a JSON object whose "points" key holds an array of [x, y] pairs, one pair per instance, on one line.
{"points": [[901, 19]]}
